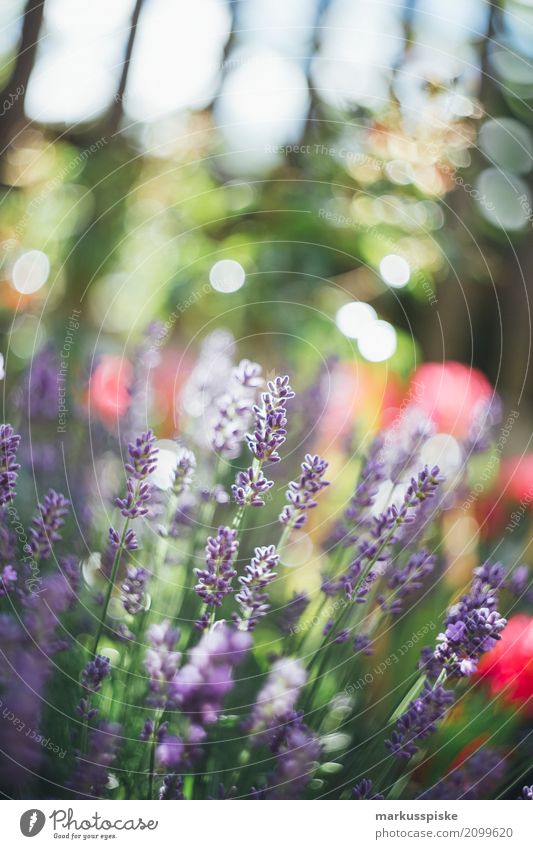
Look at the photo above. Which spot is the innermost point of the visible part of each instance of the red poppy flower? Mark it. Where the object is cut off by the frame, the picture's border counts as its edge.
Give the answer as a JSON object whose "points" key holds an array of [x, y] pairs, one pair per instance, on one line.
{"points": [[449, 393], [109, 396], [508, 668]]}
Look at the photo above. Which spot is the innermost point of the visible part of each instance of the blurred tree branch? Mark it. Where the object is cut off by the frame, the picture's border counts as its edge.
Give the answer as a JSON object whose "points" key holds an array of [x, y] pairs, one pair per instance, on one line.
{"points": [[116, 112], [14, 119]]}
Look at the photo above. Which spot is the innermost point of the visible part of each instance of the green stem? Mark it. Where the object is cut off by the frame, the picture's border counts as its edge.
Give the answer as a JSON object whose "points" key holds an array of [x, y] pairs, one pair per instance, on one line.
{"points": [[111, 585], [153, 744]]}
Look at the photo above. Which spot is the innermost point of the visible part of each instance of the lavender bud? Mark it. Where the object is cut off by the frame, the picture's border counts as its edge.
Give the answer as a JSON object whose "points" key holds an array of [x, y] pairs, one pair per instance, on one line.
{"points": [[252, 598], [47, 523], [9, 443], [301, 493], [214, 583]]}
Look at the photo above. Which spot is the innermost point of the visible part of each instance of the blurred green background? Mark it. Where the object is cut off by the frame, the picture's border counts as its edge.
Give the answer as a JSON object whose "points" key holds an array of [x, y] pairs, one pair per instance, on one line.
{"points": [[333, 150]]}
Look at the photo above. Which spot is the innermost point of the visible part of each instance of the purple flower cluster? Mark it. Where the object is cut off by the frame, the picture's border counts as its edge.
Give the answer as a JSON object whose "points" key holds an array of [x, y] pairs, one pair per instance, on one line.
{"points": [[8, 580], [199, 687], [485, 419], [363, 790], [134, 590], [419, 720], [277, 699], [473, 626], [234, 409], [130, 542], [214, 582], [47, 524], [252, 598], [92, 771], [172, 788], [301, 494], [9, 444], [94, 673], [184, 471], [407, 580], [293, 611], [475, 778], [270, 421], [161, 659], [297, 751], [357, 515], [250, 486], [374, 552], [143, 456], [170, 751], [92, 676], [142, 462]]}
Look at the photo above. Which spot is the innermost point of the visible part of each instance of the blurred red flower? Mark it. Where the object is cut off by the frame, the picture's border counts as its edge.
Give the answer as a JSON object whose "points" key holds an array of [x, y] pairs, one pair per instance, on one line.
{"points": [[359, 392], [449, 393], [514, 486], [516, 478], [509, 666], [109, 388]]}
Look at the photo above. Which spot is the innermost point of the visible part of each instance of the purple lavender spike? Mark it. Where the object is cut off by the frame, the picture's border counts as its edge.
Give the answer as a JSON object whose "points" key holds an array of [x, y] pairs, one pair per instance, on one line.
{"points": [[9, 444], [301, 494]]}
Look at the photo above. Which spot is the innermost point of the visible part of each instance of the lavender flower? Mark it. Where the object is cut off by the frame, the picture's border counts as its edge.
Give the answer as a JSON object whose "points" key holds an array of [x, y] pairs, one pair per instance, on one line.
{"points": [[147, 731], [270, 421], [143, 456], [161, 660], [203, 388], [485, 419], [214, 583], [184, 471], [250, 487], [373, 552], [130, 540], [527, 792], [297, 751], [364, 644], [301, 493], [277, 699], [198, 688], [292, 612], [9, 443], [252, 597], [403, 441], [47, 524], [169, 752], [94, 673], [133, 506], [107, 560], [473, 626], [39, 398], [363, 790], [142, 462], [172, 788], [419, 721], [91, 775], [234, 409], [134, 590], [92, 676], [8, 580], [70, 569], [475, 778], [407, 580], [357, 514]]}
